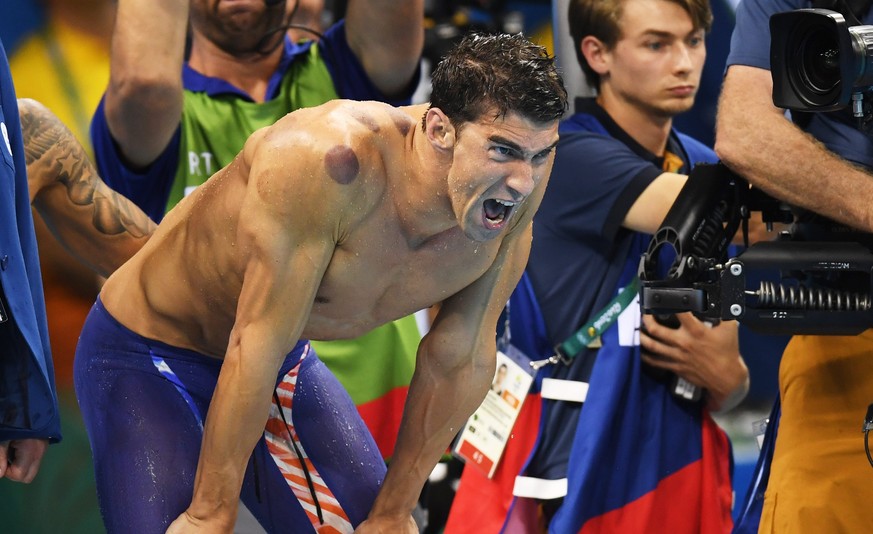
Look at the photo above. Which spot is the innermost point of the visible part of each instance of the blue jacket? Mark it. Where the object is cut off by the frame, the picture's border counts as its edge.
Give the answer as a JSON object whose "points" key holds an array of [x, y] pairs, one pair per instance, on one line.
{"points": [[28, 403]]}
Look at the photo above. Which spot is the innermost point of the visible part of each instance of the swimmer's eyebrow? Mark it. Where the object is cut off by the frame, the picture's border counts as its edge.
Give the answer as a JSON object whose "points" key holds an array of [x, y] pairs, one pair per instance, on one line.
{"points": [[517, 148]]}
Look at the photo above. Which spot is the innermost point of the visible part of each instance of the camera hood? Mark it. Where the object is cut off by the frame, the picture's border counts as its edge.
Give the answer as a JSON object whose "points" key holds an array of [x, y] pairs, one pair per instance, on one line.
{"points": [[817, 60]]}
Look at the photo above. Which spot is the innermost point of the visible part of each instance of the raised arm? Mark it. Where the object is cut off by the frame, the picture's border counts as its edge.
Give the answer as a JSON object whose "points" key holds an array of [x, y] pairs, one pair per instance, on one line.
{"points": [[757, 141], [387, 36], [288, 237], [453, 371], [99, 227], [144, 96]]}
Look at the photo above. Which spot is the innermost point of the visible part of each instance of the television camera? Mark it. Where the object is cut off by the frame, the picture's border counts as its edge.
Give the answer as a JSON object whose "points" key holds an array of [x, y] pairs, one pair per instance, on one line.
{"points": [[816, 278], [822, 60]]}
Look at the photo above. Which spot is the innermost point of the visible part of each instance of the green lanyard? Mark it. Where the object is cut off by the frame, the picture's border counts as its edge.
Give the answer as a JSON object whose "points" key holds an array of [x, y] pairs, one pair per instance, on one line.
{"points": [[591, 331]]}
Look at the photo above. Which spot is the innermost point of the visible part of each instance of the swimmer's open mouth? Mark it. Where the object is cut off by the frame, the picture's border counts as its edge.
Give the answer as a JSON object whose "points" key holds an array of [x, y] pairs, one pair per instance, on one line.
{"points": [[497, 211]]}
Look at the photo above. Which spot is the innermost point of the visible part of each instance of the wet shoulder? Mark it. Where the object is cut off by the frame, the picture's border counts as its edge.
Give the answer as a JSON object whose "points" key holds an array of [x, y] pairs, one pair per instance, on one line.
{"points": [[335, 152]]}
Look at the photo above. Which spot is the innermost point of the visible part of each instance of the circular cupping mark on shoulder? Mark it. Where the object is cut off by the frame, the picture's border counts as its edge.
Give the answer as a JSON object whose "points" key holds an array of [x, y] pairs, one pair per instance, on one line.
{"points": [[342, 164]]}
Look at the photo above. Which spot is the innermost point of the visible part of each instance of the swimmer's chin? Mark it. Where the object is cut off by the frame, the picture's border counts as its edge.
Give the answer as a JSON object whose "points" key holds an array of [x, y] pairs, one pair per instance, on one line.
{"points": [[485, 230]]}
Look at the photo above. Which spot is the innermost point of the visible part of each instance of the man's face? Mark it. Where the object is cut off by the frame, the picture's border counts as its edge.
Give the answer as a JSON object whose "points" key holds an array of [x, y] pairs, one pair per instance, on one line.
{"points": [[656, 64], [238, 26], [498, 165]]}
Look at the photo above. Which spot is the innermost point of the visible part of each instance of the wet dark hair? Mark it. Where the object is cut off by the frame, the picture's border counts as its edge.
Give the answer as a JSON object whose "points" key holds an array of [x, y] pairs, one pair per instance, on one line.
{"points": [[600, 18], [498, 72]]}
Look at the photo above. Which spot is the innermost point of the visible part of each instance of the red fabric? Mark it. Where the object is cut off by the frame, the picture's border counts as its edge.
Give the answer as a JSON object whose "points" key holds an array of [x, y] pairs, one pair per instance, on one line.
{"points": [[481, 505], [702, 488], [382, 416]]}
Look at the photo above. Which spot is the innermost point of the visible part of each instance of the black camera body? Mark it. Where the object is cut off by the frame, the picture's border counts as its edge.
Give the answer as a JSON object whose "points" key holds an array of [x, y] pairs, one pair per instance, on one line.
{"points": [[815, 279], [820, 61], [788, 286]]}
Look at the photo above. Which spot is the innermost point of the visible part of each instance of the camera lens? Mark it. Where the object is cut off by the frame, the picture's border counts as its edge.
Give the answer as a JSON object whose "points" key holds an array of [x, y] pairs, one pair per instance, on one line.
{"points": [[819, 61]]}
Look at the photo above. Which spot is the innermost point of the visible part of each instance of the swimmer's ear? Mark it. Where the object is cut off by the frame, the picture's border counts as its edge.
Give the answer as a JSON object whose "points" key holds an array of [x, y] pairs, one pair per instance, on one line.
{"points": [[439, 129]]}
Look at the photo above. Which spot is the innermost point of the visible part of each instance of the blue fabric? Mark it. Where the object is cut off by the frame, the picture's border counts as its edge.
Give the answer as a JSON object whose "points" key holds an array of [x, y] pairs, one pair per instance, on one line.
{"points": [[28, 404], [145, 424], [581, 256], [631, 434], [150, 188], [750, 509], [580, 248]]}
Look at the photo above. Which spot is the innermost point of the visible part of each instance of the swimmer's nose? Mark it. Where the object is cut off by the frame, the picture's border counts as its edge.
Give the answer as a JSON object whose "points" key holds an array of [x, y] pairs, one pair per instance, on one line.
{"points": [[522, 181]]}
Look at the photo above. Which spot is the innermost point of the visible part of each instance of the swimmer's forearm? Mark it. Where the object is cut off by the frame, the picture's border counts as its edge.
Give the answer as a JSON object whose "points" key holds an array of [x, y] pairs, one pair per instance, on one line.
{"points": [[440, 400], [236, 420]]}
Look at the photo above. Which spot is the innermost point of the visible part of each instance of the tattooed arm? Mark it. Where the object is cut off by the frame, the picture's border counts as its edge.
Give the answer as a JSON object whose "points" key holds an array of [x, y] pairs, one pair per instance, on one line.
{"points": [[101, 228]]}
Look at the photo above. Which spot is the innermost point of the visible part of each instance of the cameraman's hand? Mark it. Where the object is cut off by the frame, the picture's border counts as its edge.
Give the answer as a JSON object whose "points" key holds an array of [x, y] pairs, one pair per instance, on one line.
{"points": [[707, 356]]}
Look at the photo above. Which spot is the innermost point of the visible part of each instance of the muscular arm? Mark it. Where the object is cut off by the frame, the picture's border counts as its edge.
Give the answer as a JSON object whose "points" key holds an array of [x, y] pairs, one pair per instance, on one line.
{"points": [[289, 240], [387, 36], [101, 228], [754, 138], [144, 96], [454, 368]]}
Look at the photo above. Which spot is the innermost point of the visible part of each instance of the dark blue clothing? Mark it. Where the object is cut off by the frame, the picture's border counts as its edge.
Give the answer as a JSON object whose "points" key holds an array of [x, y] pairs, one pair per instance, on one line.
{"points": [[631, 446], [145, 403], [28, 404], [579, 245], [580, 249]]}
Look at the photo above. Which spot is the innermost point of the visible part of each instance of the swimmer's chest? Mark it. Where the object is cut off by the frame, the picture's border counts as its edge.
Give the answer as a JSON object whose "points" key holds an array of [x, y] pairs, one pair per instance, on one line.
{"points": [[388, 272]]}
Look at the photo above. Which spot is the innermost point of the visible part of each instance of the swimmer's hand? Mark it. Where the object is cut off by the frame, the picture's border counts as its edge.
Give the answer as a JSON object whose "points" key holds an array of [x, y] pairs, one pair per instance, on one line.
{"points": [[388, 525], [187, 522]]}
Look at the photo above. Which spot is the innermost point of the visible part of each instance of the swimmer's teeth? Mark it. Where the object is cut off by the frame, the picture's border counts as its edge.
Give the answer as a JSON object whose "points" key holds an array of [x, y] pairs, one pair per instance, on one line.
{"points": [[507, 206]]}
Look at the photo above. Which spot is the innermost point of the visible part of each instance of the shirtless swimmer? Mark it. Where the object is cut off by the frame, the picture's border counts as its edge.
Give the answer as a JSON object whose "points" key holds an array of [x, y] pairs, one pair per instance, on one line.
{"points": [[333, 221]]}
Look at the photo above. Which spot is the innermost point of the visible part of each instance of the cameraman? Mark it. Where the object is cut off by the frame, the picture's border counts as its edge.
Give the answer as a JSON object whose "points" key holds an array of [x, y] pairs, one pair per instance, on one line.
{"points": [[819, 475]]}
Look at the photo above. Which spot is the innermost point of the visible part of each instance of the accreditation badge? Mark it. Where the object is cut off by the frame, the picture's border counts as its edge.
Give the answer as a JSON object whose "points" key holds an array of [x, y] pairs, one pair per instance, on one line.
{"points": [[487, 431]]}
